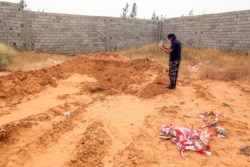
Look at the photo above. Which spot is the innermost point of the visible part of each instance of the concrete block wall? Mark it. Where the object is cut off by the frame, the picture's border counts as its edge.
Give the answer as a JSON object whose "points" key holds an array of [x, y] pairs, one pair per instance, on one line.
{"points": [[229, 31], [185, 28], [129, 33], [67, 34], [77, 34], [11, 25], [226, 31]]}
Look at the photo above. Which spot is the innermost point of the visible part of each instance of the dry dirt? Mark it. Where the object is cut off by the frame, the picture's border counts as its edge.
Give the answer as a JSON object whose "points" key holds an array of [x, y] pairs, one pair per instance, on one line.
{"points": [[116, 107]]}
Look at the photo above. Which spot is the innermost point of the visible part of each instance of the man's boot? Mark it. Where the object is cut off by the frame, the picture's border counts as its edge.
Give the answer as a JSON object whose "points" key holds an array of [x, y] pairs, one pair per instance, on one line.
{"points": [[171, 86]]}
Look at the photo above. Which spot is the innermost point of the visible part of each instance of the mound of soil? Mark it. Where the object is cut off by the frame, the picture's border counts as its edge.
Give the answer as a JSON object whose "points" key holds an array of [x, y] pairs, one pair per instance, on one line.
{"points": [[115, 107]]}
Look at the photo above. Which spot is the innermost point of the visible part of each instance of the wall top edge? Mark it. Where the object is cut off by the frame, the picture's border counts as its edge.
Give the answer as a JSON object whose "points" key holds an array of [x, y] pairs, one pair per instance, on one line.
{"points": [[212, 14], [112, 17]]}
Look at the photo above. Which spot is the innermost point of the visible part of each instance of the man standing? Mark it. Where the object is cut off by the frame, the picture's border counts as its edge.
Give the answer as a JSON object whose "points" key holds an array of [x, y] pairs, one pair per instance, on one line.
{"points": [[174, 59]]}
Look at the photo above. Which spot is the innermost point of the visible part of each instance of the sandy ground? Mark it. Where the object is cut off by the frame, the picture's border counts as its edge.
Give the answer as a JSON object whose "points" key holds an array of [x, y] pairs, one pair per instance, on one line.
{"points": [[116, 107]]}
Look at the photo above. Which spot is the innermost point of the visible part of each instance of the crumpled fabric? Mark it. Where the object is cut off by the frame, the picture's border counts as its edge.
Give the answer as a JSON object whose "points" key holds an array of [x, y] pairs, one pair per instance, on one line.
{"points": [[190, 139]]}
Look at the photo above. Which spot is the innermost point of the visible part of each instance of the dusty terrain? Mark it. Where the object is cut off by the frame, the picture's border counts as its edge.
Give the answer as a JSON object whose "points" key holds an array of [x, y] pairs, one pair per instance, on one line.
{"points": [[116, 108]]}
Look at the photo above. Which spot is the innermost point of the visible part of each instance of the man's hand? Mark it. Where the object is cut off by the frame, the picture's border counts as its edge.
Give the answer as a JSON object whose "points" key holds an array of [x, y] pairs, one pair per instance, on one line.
{"points": [[164, 48]]}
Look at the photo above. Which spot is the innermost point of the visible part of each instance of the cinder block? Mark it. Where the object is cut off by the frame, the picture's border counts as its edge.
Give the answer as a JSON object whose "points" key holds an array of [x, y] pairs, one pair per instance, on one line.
{"points": [[75, 33]]}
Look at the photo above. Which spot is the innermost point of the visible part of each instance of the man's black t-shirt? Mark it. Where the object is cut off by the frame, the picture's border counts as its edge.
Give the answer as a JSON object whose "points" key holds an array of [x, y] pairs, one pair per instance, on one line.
{"points": [[176, 53]]}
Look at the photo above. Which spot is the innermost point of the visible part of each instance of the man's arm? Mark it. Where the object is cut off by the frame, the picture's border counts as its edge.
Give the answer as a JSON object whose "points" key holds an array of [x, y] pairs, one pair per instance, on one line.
{"points": [[166, 50]]}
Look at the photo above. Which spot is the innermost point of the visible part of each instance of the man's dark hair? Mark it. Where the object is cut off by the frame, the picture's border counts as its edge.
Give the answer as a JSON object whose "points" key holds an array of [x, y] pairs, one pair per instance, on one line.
{"points": [[172, 36]]}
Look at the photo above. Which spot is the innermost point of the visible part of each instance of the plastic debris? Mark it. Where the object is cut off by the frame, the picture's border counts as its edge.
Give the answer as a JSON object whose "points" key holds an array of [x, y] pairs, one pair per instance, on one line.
{"points": [[196, 67], [52, 61], [245, 150], [66, 114], [190, 139]]}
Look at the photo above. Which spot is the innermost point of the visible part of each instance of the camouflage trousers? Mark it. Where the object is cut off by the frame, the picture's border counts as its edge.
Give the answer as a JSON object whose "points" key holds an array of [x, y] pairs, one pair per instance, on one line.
{"points": [[173, 71]]}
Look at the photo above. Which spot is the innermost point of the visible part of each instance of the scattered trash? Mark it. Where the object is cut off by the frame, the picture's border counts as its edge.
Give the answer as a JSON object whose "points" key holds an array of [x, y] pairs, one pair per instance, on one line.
{"points": [[221, 131], [66, 114], [188, 139], [52, 61], [205, 115], [182, 102], [196, 67], [227, 105], [245, 150], [187, 116]]}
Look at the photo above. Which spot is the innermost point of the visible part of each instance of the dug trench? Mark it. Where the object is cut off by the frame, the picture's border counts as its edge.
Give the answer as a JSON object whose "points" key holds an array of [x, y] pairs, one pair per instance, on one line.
{"points": [[116, 107]]}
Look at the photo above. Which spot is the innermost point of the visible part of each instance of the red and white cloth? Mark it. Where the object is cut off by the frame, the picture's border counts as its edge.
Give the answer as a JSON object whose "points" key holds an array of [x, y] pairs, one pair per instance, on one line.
{"points": [[189, 139]]}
